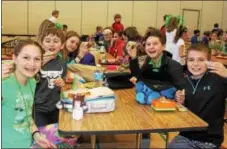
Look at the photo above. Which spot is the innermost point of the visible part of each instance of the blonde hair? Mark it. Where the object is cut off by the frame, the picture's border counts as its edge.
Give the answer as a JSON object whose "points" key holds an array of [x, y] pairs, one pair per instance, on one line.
{"points": [[173, 23], [46, 24]]}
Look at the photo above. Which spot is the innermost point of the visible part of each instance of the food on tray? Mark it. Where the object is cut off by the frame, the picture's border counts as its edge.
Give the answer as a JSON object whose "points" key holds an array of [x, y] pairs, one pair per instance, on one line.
{"points": [[71, 93], [132, 44], [181, 108], [89, 85], [48, 54], [67, 87], [69, 77], [163, 103]]}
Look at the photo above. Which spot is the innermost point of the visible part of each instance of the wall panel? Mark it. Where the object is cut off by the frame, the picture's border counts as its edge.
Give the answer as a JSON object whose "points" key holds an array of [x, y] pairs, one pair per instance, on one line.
{"points": [[122, 7], [211, 13], [14, 17], [144, 15], [70, 14], [94, 13], [167, 7], [39, 11]]}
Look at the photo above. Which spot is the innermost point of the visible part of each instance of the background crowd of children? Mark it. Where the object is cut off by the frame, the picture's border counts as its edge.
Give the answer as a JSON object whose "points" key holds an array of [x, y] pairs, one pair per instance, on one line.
{"points": [[164, 51]]}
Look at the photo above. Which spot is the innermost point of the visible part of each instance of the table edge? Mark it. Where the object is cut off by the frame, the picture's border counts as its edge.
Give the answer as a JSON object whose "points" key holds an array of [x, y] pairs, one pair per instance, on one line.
{"points": [[133, 131]]}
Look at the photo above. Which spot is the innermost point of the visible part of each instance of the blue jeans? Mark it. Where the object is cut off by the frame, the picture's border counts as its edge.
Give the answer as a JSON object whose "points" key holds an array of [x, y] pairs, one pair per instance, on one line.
{"points": [[183, 142]]}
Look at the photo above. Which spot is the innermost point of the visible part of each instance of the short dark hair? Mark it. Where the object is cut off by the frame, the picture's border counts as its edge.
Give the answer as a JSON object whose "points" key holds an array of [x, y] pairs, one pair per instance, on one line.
{"points": [[201, 48], [156, 33], [54, 32], [206, 33], [55, 12], [196, 31], [131, 33], [98, 28], [117, 16], [216, 25], [65, 26]]}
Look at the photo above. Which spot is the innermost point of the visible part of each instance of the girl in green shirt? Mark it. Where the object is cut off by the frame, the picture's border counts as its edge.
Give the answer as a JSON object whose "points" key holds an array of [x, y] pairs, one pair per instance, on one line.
{"points": [[18, 127]]}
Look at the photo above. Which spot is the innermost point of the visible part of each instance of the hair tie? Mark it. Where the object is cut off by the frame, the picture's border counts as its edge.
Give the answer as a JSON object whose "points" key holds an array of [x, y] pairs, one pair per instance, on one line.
{"points": [[167, 20], [59, 26], [181, 20]]}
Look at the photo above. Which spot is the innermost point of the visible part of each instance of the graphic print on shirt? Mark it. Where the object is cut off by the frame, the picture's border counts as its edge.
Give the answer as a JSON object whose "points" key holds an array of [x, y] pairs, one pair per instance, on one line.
{"points": [[51, 76], [20, 121]]}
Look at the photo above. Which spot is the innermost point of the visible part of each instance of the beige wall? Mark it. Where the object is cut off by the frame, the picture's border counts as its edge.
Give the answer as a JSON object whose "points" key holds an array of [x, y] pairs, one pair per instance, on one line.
{"points": [[84, 16], [224, 16]]}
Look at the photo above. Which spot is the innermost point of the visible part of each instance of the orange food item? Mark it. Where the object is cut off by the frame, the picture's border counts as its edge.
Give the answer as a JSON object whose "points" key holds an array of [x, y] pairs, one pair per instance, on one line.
{"points": [[163, 103], [67, 87], [71, 95]]}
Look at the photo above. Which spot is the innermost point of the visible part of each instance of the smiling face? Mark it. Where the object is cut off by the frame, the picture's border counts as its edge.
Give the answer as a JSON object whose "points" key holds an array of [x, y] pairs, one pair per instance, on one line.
{"points": [[154, 47], [197, 62], [28, 61], [52, 43], [72, 43], [214, 36]]}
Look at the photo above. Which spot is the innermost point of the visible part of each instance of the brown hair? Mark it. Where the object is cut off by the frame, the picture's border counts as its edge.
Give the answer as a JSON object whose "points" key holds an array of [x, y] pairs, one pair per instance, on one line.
{"points": [[69, 34], [131, 33], [22, 43], [54, 32], [173, 23], [117, 16], [156, 33], [43, 27], [179, 33], [55, 12], [200, 48]]}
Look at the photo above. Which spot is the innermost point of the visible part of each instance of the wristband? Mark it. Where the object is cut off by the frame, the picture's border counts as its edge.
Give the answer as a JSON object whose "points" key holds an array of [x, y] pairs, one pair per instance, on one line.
{"points": [[35, 133]]}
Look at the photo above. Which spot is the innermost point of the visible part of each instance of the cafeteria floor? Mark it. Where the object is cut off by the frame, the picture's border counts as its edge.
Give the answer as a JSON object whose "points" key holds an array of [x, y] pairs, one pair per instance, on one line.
{"points": [[128, 141]]}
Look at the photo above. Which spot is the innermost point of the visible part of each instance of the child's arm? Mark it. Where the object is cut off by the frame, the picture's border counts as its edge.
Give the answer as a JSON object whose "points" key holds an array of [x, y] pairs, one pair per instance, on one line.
{"points": [[176, 71], [39, 138], [217, 68], [181, 51], [180, 96]]}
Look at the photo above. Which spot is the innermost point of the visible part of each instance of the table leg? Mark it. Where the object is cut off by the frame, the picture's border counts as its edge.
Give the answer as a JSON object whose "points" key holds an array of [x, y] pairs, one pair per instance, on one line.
{"points": [[138, 140], [167, 138], [93, 141]]}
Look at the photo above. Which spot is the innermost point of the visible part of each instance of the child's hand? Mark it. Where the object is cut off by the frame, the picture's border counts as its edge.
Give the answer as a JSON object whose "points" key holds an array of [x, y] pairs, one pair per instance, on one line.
{"points": [[180, 96], [133, 80], [131, 49], [83, 50], [6, 70], [217, 68], [59, 82], [42, 141], [48, 56]]}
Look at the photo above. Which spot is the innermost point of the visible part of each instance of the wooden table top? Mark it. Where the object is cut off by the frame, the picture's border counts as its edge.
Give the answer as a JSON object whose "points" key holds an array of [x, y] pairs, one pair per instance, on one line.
{"points": [[221, 60], [129, 117]]}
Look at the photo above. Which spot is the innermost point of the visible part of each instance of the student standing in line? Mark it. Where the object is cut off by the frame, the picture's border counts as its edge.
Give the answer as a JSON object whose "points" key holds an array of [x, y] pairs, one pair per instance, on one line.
{"points": [[117, 25], [55, 15]]}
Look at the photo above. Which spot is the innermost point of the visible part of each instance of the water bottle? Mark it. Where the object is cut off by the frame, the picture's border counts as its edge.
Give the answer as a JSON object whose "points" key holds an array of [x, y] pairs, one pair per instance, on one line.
{"points": [[105, 82], [103, 54], [98, 76]]}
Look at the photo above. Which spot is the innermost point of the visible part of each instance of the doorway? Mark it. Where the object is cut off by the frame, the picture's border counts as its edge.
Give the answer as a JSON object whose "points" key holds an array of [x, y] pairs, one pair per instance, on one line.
{"points": [[191, 20]]}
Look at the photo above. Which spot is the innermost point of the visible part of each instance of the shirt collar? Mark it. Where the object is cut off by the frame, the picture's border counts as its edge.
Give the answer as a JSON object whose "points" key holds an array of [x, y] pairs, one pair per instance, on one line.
{"points": [[158, 65]]}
